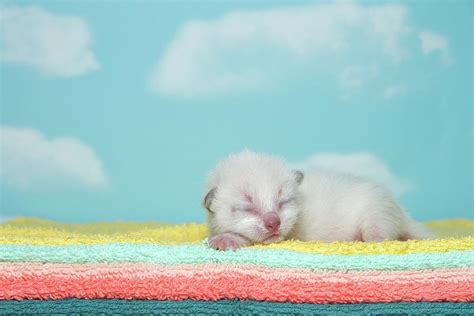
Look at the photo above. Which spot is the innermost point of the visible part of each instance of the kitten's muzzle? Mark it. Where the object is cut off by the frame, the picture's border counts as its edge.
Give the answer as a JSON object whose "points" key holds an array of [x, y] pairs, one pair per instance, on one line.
{"points": [[272, 222]]}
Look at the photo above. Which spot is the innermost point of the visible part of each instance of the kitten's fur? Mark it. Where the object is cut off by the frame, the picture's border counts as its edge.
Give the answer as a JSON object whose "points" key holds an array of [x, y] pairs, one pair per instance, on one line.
{"points": [[253, 197]]}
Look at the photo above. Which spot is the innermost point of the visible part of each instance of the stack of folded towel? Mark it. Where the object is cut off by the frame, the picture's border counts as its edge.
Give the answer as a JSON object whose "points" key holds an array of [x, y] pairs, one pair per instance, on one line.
{"points": [[47, 267]]}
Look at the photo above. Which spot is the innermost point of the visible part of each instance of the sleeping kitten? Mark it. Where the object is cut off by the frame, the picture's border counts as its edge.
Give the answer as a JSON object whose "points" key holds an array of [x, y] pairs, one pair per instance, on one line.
{"points": [[257, 198]]}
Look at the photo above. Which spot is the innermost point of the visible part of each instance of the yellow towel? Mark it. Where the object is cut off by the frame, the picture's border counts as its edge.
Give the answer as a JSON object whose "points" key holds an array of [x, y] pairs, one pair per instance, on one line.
{"points": [[455, 234]]}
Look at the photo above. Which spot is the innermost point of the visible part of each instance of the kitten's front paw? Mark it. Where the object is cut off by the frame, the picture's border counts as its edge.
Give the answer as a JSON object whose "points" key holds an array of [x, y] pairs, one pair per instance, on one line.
{"points": [[226, 242]]}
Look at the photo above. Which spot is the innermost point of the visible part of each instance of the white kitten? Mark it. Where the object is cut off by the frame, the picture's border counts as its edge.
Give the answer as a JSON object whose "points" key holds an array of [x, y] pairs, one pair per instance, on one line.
{"points": [[254, 198]]}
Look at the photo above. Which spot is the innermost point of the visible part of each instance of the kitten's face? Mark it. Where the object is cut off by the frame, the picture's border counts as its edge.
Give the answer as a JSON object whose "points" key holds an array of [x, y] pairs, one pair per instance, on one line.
{"points": [[263, 212]]}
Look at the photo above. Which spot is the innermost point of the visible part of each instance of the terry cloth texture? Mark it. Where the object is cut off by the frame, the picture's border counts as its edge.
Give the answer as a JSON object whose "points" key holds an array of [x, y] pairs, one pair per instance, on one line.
{"points": [[214, 282], [76, 265], [235, 307], [190, 254]]}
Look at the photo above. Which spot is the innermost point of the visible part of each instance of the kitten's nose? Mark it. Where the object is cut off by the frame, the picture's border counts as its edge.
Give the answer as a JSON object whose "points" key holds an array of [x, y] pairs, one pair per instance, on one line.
{"points": [[271, 221]]}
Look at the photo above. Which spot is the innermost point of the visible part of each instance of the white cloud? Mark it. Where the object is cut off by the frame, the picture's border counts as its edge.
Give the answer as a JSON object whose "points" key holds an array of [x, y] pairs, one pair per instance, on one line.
{"points": [[247, 49], [361, 164], [29, 159], [392, 91], [432, 42], [56, 45], [353, 78]]}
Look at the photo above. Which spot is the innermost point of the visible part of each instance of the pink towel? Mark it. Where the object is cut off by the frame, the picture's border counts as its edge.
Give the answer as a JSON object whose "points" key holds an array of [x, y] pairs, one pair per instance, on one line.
{"points": [[213, 282]]}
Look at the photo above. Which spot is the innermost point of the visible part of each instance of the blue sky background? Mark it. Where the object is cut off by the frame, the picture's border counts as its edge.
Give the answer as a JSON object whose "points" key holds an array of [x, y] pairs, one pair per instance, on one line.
{"points": [[142, 111]]}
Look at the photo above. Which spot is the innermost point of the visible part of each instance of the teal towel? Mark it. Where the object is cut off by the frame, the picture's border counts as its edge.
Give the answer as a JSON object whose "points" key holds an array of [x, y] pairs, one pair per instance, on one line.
{"points": [[77, 306]]}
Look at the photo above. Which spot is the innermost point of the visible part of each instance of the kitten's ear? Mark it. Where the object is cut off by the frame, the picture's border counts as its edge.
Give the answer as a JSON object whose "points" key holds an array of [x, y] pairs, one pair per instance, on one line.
{"points": [[299, 176], [208, 199]]}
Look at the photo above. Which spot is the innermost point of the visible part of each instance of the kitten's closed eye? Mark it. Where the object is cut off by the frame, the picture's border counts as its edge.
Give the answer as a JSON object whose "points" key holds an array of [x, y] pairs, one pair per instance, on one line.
{"points": [[283, 203], [249, 209], [245, 208]]}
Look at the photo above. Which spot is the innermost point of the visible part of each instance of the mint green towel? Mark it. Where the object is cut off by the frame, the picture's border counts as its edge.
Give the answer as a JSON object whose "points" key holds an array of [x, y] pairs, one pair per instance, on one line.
{"points": [[192, 254]]}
